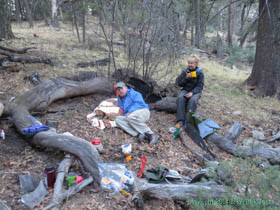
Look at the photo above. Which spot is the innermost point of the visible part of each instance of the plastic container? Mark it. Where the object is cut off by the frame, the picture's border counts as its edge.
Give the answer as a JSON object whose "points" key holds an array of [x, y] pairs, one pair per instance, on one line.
{"points": [[51, 175], [73, 178], [96, 142], [177, 132]]}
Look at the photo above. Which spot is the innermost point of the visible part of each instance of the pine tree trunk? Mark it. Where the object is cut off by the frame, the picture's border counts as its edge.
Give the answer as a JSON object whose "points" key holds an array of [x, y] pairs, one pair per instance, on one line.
{"points": [[229, 34], [5, 21], [265, 76], [28, 13], [54, 21], [17, 5], [197, 23]]}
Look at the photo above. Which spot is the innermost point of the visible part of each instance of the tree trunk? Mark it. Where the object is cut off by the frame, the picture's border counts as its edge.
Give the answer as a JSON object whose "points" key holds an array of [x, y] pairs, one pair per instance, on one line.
{"points": [[17, 6], [84, 21], [229, 33], [220, 50], [193, 23], [54, 21], [5, 21], [28, 13], [242, 19], [197, 23], [75, 20], [265, 76], [245, 34]]}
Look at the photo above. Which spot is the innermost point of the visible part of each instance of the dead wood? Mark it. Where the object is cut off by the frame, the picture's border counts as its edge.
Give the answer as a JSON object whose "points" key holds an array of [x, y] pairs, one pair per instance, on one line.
{"points": [[167, 104], [183, 192], [39, 98], [227, 143], [60, 194], [201, 157], [27, 59], [272, 138], [102, 62], [18, 51]]}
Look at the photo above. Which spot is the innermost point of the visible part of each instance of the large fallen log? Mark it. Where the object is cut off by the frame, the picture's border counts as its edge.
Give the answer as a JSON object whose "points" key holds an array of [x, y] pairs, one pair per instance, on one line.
{"points": [[183, 192], [228, 143], [167, 104], [39, 98], [256, 149]]}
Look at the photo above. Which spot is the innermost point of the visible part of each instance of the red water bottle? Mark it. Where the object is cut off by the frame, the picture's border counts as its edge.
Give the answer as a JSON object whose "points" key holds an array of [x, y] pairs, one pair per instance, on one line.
{"points": [[51, 175]]}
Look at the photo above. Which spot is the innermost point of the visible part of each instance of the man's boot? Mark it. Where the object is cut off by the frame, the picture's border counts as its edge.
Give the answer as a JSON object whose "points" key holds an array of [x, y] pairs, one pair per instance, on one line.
{"points": [[153, 138], [140, 137]]}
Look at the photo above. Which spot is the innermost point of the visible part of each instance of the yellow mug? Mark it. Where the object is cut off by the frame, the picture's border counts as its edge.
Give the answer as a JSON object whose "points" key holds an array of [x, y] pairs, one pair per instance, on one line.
{"points": [[193, 74]]}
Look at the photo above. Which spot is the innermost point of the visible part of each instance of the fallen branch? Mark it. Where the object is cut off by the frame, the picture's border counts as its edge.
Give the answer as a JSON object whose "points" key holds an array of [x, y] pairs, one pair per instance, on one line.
{"points": [[198, 154], [262, 150], [18, 51], [102, 62], [183, 192], [272, 138], [26, 59], [60, 194]]}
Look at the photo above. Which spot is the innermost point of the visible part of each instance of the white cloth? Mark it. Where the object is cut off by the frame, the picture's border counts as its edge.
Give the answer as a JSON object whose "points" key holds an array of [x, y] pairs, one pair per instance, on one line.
{"points": [[107, 108]]}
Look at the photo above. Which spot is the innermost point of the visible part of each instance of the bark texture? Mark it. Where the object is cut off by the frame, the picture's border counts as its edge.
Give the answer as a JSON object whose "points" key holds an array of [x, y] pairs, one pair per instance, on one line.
{"points": [[39, 98], [265, 76]]}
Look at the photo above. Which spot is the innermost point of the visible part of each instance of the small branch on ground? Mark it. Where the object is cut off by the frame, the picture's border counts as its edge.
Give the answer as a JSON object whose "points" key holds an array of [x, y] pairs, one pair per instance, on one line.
{"points": [[60, 194], [18, 51]]}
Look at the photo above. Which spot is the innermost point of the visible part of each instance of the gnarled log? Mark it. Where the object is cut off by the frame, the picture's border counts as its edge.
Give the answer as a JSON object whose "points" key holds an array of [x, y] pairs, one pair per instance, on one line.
{"points": [[167, 104], [227, 143], [184, 192], [43, 95]]}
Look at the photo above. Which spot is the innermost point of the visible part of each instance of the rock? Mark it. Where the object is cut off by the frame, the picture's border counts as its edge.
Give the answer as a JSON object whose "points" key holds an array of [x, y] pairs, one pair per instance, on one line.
{"points": [[236, 113], [258, 135]]}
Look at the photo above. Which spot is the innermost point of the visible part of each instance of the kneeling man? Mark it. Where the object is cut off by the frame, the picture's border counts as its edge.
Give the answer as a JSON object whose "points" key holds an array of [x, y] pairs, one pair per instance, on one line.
{"points": [[136, 114]]}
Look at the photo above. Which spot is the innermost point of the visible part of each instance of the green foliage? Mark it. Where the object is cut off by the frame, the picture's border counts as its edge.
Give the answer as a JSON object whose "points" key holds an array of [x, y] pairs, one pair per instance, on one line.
{"points": [[94, 7], [239, 54], [256, 185]]}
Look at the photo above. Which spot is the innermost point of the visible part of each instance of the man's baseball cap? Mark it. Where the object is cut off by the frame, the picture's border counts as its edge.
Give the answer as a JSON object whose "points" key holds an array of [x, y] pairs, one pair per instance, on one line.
{"points": [[120, 85]]}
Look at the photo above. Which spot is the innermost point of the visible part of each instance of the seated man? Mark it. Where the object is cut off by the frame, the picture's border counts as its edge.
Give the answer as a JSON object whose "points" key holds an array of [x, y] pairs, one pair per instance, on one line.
{"points": [[192, 81], [136, 114]]}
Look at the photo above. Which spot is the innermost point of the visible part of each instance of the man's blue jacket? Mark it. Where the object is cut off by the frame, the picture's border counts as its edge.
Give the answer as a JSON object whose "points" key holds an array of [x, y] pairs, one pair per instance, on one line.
{"points": [[132, 101]]}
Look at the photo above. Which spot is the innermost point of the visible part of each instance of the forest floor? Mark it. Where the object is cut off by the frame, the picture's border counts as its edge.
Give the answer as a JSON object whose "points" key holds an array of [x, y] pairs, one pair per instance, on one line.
{"points": [[223, 100]]}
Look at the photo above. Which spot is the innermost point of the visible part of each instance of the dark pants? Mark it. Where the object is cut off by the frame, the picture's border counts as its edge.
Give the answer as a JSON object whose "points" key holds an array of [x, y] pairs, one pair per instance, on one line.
{"points": [[191, 103]]}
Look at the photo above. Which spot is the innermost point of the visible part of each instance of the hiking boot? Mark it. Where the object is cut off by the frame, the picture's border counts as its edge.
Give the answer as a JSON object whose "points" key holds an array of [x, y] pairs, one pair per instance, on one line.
{"points": [[154, 138], [181, 123], [140, 137]]}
